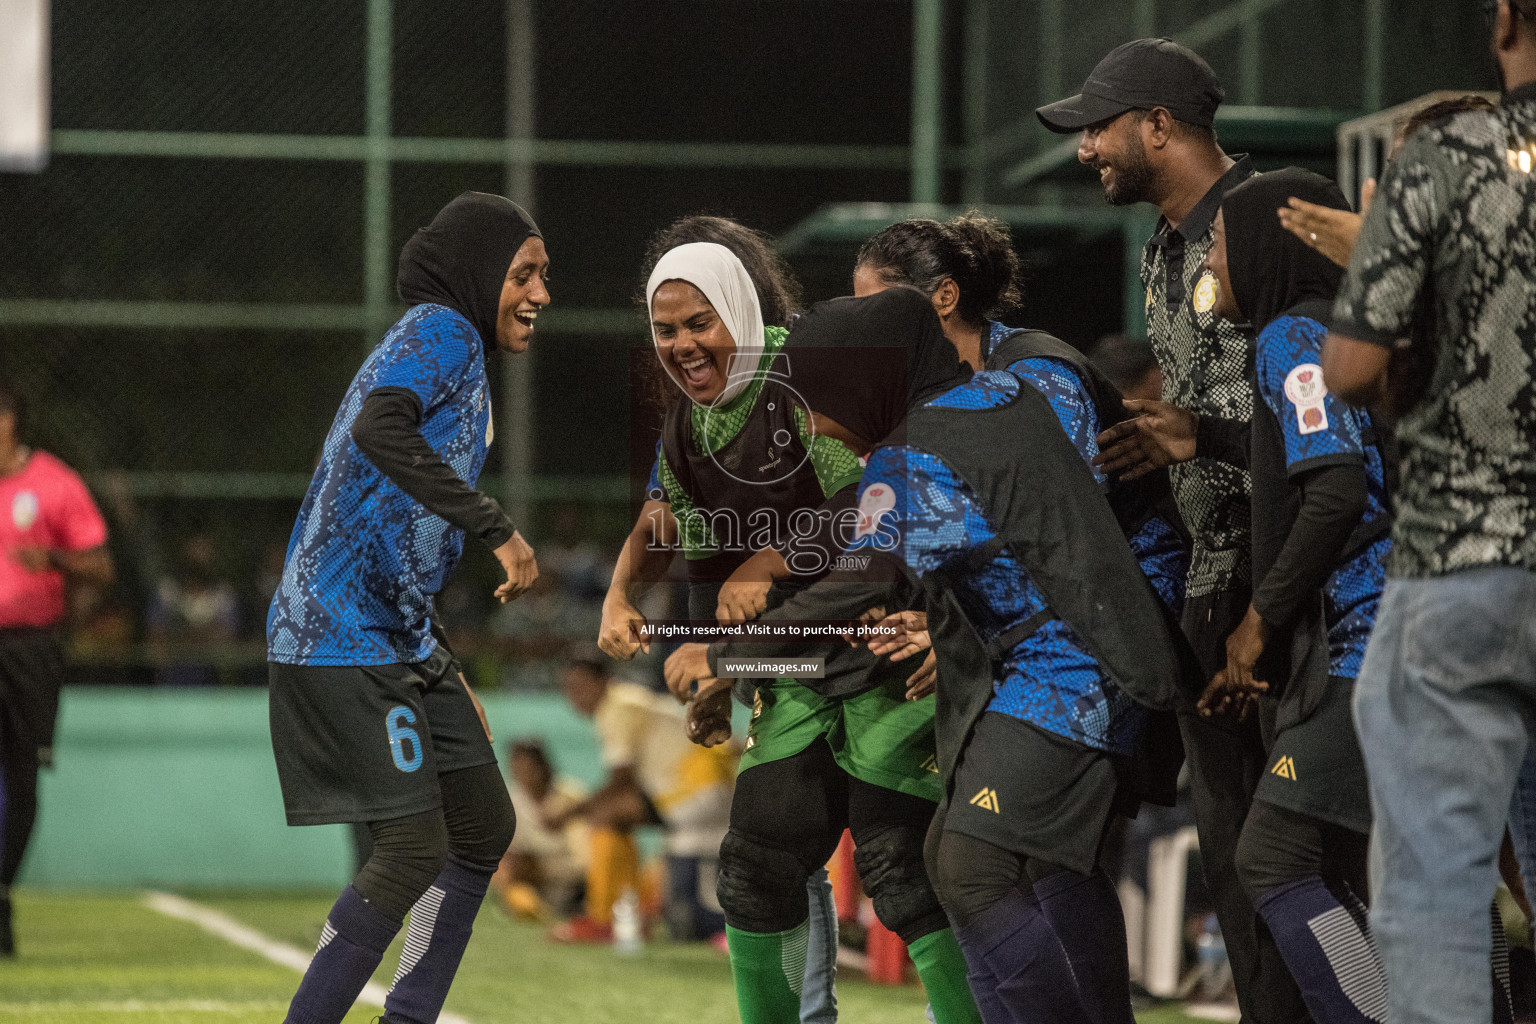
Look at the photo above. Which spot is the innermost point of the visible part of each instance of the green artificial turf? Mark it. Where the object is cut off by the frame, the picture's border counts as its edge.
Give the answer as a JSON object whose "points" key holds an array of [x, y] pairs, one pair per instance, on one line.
{"points": [[109, 959]]}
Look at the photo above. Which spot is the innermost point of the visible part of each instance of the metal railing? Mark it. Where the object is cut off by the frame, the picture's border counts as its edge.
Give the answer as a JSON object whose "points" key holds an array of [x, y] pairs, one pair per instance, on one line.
{"points": [[1365, 142]]}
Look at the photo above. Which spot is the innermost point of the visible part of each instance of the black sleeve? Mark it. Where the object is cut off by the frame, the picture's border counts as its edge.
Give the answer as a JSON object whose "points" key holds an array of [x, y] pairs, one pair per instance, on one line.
{"points": [[1222, 439], [387, 430], [839, 596], [1333, 498]]}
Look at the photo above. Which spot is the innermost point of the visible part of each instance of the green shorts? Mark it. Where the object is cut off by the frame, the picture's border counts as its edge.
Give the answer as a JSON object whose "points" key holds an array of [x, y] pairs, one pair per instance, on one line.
{"points": [[879, 737]]}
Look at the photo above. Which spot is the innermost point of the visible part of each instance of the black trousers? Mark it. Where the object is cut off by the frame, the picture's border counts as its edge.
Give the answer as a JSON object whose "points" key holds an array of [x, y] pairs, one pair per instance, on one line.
{"points": [[787, 817], [1280, 846], [1226, 760], [31, 668]]}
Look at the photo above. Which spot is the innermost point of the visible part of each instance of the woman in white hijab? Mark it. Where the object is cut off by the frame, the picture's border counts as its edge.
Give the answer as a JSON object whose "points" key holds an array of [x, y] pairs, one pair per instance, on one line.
{"points": [[719, 282], [737, 455], [701, 302]]}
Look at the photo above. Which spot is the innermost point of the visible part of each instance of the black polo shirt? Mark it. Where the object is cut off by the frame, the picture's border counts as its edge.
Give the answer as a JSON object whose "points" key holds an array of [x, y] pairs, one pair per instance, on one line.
{"points": [[1205, 363]]}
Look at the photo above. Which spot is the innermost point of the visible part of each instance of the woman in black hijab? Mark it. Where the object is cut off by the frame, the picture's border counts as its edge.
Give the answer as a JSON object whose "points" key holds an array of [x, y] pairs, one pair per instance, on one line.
{"points": [[483, 258], [862, 363], [1034, 598], [372, 719], [849, 749], [464, 260], [1319, 537]]}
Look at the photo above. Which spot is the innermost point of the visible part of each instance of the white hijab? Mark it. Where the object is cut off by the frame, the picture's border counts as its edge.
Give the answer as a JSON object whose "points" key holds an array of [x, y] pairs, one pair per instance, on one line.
{"points": [[714, 270]]}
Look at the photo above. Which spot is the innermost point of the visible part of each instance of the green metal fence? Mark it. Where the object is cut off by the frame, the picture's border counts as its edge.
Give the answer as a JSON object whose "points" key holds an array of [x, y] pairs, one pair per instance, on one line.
{"points": [[186, 289]]}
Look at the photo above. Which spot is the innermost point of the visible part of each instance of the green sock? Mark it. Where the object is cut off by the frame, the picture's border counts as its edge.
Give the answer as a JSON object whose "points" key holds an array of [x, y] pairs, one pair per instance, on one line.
{"points": [[941, 966], [769, 969]]}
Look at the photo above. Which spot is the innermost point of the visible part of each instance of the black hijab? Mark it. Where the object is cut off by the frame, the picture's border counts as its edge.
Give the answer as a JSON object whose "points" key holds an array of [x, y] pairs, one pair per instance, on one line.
{"points": [[1272, 270], [865, 362], [460, 260]]}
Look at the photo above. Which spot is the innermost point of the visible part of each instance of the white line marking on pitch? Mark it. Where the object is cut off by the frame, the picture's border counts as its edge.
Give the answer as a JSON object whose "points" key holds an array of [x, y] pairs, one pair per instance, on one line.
{"points": [[246, 937], [146, 1006]]}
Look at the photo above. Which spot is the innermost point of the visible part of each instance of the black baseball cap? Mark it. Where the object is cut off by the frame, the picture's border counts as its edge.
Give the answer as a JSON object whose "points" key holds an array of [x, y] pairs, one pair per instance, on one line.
{"points": [[1140, 75]]}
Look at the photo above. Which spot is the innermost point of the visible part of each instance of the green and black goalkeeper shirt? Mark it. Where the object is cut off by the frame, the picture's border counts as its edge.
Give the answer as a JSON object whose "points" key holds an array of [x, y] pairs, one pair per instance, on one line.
{"points": [[749, 475]]}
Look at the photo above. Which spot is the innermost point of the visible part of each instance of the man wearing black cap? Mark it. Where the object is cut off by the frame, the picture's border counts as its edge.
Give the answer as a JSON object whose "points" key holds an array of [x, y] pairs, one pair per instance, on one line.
{"points": [[1146, 114]]}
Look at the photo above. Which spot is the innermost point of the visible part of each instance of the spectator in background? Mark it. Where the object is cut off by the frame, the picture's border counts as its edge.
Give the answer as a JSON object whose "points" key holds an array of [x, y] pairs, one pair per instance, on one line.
{"points": [[655, 777], [1130, 365], [192, 614], [1444, 695], [583, 566], [543, 874], [52, 538]]}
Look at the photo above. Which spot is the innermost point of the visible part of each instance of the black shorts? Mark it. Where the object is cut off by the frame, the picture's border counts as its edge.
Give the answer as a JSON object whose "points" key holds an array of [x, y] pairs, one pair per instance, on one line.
{"points": [[1315, 766], [31, 671], [1035, 793], [367, 743]]}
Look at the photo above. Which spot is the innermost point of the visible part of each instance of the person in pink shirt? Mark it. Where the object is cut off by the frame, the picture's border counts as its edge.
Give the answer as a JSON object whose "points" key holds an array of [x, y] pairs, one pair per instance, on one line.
{"points": [[51, 538]]}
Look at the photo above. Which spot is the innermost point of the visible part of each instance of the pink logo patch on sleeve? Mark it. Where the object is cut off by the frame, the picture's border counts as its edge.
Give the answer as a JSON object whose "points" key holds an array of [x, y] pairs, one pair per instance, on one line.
{"points": [[1304, 388], [878, 500]]}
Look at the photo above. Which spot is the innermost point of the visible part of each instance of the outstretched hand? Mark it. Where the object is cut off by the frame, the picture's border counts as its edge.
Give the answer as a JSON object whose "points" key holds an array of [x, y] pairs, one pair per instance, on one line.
{"points": [[910, 640], [1159, 435], [1329, 231], [1234, 689], [911, 635]]}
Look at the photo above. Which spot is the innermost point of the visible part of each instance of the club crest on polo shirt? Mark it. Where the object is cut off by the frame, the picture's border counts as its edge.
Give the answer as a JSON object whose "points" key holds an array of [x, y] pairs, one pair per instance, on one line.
{"points": [[1304, 388], [1205, 293], [878, 500], [24, 509]]}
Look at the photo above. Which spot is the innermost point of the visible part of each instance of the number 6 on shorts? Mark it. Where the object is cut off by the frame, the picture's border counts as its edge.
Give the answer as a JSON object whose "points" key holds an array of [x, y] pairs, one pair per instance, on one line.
{"points": [[399, 735]]}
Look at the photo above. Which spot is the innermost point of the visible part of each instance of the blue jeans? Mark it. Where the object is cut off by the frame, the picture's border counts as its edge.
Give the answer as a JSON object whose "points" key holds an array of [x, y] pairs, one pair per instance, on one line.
{"points": [[818, 993], [1522, 822], [1439, 706]]}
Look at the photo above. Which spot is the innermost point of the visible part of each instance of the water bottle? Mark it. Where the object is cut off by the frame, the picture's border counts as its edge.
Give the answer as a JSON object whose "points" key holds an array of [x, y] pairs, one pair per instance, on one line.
{"points": [[627, 938], [1211, 957]]}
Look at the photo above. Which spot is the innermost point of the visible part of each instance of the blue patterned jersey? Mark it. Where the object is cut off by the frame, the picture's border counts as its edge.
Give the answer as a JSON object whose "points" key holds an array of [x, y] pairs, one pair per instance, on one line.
{"points": [[1156, 545], [1319, 430], [365, 558], [1048, 679]]}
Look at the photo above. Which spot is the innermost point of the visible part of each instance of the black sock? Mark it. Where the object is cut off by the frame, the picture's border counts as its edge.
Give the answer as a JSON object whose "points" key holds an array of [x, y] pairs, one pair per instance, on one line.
{"points": [[441, 923], [1026, 969], [1084, 912], [1332, 959], [352, 943]]}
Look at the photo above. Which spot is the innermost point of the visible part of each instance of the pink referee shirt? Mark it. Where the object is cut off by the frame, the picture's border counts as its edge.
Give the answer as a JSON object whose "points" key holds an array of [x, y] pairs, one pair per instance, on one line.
{"points": [[45, 505]]}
